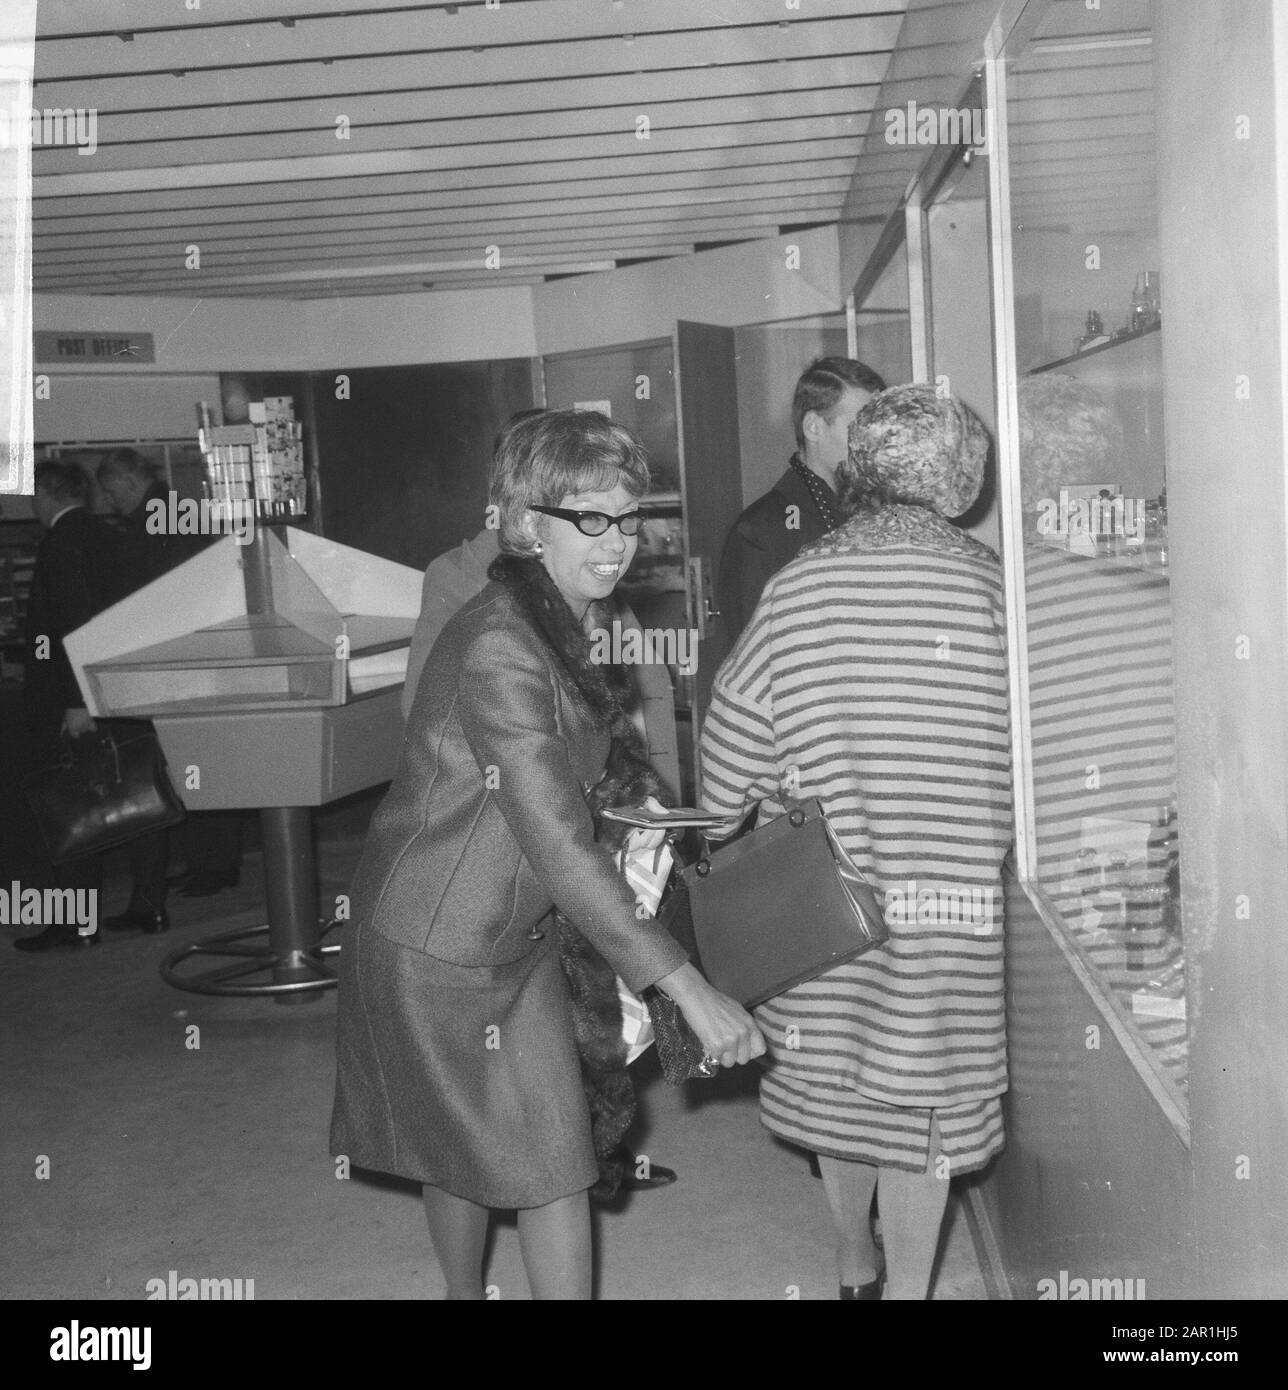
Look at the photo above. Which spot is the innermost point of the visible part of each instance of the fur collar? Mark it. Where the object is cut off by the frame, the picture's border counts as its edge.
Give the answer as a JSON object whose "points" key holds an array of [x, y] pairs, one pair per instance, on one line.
{"points": [[600, 689], [899, 524]]}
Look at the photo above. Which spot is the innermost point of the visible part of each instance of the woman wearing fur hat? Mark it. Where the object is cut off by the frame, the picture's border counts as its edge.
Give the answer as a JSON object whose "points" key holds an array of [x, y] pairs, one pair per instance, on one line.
{"points": [[873, 677], [458, 1064]]}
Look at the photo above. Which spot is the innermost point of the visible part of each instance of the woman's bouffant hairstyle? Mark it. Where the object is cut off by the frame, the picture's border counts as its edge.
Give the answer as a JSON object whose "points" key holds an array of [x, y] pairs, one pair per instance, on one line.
{"points": [[823, 383], [541, 460], [1068, 434], [909, 444]]}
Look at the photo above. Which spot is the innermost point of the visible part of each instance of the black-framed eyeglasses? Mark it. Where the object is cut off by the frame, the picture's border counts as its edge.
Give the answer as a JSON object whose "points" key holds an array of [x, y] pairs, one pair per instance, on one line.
{"points": [[596, 523]]}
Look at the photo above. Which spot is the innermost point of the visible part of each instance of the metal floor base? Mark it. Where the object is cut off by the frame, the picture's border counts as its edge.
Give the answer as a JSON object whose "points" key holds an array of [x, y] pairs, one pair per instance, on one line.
{"points": [[288, 972]]}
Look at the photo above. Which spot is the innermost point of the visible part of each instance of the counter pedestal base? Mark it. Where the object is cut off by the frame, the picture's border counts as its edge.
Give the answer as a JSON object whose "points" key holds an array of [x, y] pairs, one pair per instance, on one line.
{"points": [[292, 960]]}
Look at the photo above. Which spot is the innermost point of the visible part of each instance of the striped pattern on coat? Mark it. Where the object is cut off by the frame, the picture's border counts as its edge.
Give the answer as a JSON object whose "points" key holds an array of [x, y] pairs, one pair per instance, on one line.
{"points": [[873, 677]]}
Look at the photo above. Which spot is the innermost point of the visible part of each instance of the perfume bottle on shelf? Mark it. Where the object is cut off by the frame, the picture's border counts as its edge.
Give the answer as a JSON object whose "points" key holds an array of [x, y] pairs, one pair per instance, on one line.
{"points": [[1146, 303], [1095, 331], [1155, 542]]}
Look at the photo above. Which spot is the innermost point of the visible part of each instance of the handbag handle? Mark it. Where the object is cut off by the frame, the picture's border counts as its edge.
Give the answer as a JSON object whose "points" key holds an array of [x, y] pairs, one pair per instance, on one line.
{"points": [[104, 746], [794, 808]]}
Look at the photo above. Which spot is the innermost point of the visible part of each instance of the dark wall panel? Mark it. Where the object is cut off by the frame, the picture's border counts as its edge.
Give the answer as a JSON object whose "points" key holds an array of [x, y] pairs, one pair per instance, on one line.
{"points": [[403, 462], [1094, 1179]]}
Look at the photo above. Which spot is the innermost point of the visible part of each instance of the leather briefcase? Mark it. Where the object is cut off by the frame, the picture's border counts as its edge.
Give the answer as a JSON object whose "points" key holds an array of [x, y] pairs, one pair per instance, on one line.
{"points": [[105, 789], [779, 906]]}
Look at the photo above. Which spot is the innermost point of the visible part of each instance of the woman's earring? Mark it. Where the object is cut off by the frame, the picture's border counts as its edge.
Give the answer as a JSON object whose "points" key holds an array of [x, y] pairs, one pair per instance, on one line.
{"points": [[539, 549]]}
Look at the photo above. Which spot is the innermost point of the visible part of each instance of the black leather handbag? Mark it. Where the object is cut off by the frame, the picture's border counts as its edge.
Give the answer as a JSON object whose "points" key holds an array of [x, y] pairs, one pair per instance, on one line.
{"points": [[105, 789], [779, 906]]}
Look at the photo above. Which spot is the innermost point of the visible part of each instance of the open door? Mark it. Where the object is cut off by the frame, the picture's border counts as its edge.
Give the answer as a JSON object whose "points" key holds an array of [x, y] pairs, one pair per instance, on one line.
{"points": [[711, 488]]}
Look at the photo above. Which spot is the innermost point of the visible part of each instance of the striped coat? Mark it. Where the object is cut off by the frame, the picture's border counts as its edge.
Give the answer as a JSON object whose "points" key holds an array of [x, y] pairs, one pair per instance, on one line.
{"points": [[873, 676]]}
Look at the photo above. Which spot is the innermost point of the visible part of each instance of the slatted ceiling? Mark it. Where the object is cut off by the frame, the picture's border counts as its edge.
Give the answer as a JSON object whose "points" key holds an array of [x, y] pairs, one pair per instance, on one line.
{"points": [[358, 71], [546, 213], [602, 243], [764, 167], [565, 154], [1072, 19], [578, 232], [70, 18], [543, 134], [372, 228], [317, 35], [514, 127], [835, 72]]}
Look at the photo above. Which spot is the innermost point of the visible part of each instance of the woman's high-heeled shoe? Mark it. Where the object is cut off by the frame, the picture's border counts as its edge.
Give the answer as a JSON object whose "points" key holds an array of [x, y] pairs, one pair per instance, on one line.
{"points": [[864, 1293]]}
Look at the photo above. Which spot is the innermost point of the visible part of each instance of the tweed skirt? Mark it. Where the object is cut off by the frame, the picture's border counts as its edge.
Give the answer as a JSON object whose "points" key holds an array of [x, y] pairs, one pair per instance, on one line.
{"points": [[463, 1077]]}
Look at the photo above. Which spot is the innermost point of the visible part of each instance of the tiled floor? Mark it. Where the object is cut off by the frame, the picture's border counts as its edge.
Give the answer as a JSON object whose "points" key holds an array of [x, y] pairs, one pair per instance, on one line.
{"points": [[212, 1160]]}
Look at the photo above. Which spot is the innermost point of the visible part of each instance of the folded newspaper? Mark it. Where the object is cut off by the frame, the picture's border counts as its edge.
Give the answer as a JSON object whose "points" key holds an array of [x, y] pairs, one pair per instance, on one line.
{"points": [[674, 818]]}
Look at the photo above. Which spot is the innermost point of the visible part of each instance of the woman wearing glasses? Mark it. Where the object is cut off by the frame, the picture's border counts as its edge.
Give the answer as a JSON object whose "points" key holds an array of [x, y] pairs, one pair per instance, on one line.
{"points": [[457, 1062]]}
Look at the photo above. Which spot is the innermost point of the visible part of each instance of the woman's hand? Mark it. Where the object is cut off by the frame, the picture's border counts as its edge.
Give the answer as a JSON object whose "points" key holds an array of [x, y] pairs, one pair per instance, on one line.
{"points": [[728, 1033], [646, 841]]}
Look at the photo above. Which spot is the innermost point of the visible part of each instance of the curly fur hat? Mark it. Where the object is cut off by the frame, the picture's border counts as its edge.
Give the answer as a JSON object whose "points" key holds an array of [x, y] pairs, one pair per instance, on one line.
{"points": [[908, 444]]}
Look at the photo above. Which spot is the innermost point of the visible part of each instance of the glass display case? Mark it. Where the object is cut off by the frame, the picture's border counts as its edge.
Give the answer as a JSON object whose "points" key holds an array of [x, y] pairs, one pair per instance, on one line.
{"points": [[1083, 461]]}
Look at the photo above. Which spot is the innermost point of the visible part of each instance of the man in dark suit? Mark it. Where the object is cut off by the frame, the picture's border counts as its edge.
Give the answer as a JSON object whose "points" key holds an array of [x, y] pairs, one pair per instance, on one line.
{"points": [[129, 484], [801, 506], [77, 574]]}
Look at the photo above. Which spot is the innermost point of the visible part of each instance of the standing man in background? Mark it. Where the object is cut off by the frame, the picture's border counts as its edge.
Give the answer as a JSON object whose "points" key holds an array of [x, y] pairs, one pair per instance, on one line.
{"points": [[78, 562], [213, 838], [801, 507], [128, 482]]}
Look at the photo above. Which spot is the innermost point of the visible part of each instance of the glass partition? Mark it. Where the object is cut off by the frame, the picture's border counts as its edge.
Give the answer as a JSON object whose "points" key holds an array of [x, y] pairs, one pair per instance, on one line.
{"points": [[1075, 242]]}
